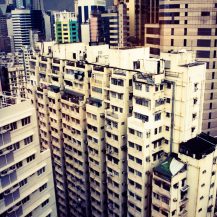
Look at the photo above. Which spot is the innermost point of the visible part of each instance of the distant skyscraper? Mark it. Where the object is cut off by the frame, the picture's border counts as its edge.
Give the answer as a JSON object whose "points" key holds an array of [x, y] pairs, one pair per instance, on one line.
{"points": [[21, 19], [191, 26], [5, 44], [86, 8], [66, 27], [110, 27]]}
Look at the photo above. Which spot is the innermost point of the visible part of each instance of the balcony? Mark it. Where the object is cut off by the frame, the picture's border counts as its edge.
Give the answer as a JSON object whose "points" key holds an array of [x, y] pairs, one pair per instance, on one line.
{"points": [[112, 114], [70, 63], [80, 64], [5, 136], [44, 59], [72, 96], [183, 213], [98, 68], [56, 61], [185, 188], [183, 201]]}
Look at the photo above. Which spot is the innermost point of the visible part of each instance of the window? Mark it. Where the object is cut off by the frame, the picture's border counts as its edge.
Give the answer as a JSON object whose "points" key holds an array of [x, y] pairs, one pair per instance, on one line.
{"points": [[204, 31], [203, 54], [203, 43], [131, 131], [28, 140], [139, 134], [19, 164], [30, 158], [16, 146], [155, 131], [167, 128], [13, 126], [25, 121], [139, 161], [168, 100], [205, 13], [42, 170], [23, 182], [43, 187], [210, 106], [185, 43], [138, 86], [172, 31], [211, 95], [200, 210], [173, 212], [172, 42], [157, 117], [45, 203], [26, 199]]}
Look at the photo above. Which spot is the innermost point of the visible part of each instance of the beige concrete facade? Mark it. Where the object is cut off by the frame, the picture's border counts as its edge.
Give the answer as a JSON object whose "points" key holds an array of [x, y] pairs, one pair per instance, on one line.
{"points": [[26, 187], [108, 122], [189, 25]]}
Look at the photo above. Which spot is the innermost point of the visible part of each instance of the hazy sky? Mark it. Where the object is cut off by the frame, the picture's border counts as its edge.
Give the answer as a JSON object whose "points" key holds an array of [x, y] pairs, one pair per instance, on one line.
{"points": [[59, 4]]}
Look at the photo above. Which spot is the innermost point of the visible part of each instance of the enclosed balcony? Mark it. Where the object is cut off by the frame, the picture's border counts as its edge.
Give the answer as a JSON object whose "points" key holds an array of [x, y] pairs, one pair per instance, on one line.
{"points": [[72, 96]]}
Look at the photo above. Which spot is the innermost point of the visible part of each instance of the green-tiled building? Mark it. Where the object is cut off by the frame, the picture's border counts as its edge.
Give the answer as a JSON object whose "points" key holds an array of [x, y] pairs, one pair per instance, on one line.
{"points": [[66, 27]]}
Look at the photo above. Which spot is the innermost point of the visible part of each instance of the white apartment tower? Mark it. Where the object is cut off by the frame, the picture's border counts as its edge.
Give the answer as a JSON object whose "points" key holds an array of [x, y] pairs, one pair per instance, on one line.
{"points": [[109, 117], [189, 25], [26, 180]]}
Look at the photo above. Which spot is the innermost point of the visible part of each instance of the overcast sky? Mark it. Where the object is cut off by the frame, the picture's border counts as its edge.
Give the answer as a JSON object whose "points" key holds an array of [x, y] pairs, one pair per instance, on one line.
{"points": [[59, 5]]}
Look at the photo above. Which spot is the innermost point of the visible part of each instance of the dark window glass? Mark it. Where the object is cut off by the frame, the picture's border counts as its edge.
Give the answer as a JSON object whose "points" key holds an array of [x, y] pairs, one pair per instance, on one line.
{"points": [[155, 51], [153, 31], [172, 31], [169, 6], [203, 43], [203, 54], [172, 42], [205, 13], [204, 31], [153, 41]]}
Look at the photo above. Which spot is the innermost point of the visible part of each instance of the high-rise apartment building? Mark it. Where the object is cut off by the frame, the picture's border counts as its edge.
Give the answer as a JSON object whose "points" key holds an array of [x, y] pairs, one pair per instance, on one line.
{"points": [[26, 184], [66, 27], [14, 73], [192, 26], [136, 14], [86, 8], [110, 27], [110, 116], [185, 183], [5, 43]]}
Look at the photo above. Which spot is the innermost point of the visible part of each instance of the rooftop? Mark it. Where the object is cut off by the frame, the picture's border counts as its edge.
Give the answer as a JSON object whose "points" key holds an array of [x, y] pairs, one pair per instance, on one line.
{"points": [[198, 147], [170, 167], [6, 100], [193, 64]]}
